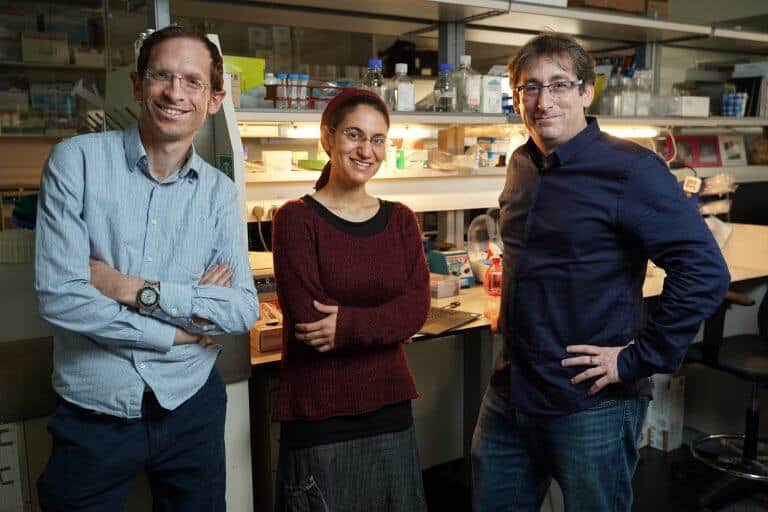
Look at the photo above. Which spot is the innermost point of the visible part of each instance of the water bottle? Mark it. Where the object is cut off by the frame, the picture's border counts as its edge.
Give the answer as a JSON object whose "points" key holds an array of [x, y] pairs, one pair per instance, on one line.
{"points": [[445, 90], [373, 80], [492, 279], [467, 82], [402, 90]]}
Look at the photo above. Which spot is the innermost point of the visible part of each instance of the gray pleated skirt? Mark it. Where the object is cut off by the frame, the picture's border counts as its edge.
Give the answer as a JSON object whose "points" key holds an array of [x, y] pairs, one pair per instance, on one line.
{"points": [[380, 473]]}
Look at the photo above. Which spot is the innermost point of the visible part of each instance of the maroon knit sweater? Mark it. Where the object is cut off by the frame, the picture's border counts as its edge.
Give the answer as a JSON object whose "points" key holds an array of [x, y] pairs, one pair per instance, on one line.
{"points": [[375, 271]]}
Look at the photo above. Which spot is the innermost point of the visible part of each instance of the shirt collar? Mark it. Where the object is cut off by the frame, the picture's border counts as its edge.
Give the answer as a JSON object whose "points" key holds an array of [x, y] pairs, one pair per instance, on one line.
{"points": [[136, 155], [565, 152]]}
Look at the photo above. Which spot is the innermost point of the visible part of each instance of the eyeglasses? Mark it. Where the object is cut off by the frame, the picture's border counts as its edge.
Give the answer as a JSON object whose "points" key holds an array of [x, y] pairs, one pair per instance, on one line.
{"points": [[556, 89], [356, 136], [189, 84]]}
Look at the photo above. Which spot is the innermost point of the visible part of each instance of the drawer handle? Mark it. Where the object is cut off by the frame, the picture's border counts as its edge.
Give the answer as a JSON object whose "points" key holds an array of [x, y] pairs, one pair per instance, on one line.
{"points": [[3, 481]]}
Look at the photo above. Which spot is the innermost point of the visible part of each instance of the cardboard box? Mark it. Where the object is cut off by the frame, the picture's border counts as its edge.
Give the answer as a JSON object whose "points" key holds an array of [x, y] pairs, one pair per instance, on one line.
{"points": [[89, 57], [14, 100], [635, 6], [657, 8], [666, 412], [51, 48]]}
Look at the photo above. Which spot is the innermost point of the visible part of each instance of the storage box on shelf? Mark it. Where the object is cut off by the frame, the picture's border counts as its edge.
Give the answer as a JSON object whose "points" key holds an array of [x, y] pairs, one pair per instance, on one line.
{"points": [[47, 47]]}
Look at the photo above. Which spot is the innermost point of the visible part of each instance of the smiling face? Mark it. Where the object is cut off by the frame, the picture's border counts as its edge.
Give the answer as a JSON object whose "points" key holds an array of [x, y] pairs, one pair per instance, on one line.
{"points": [[552, 121], [171, 111], [355, 155]]}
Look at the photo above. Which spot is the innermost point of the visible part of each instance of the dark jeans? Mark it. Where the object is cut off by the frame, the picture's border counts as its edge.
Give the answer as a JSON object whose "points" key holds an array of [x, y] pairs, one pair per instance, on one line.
{"points": [[592, 455], [95, 456]]}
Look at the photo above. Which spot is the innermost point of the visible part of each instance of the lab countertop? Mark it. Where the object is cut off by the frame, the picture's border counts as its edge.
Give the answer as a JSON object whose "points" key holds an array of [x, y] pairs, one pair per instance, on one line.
{"points": [[745, 252]]}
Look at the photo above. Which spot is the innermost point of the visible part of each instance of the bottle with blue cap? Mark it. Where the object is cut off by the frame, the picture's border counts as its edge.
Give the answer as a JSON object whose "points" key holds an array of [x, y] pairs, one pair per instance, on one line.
{"points": [[373, 80], [445, 90], [282, 91]]}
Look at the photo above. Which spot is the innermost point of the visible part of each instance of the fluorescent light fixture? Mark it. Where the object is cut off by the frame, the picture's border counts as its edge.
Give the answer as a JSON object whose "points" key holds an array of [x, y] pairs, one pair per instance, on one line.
{"points": [[405, 131], [631, 132], [248, 130]]}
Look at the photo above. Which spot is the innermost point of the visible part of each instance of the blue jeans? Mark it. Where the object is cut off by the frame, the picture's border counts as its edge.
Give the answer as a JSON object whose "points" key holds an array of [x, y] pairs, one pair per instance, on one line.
{"points": [[592, 455], [95, 456]]}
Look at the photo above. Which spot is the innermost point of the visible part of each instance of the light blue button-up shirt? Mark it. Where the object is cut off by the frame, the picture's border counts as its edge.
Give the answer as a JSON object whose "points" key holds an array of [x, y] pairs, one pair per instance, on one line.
{"points": [[99, 200]]}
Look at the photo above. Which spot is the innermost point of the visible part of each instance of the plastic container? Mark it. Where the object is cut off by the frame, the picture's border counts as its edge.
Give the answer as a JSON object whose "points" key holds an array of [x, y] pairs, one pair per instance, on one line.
{"points": [[492, 280], [402, 95], [373, 80], [468, 86], [445, 90]]}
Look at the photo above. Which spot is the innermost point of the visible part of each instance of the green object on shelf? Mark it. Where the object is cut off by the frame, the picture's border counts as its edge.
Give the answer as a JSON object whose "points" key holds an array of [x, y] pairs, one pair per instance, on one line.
{"points": [[312, 165]]}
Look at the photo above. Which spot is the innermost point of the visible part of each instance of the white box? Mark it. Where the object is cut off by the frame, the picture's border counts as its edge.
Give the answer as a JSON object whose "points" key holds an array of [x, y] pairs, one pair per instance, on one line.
{"points": [[50, 47], [277, 163], [666, 412], [491, 94], [685, 106]]}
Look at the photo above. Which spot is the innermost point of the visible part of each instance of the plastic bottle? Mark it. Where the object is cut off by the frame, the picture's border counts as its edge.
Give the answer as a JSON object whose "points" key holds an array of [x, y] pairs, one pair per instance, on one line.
{"points": [[445, 90], [492, 279], [293, 90], [467, 82], [628, 97], [402, 90], [303, 102], [643, 93], [282, 91], [610, 101], [373, 80]]}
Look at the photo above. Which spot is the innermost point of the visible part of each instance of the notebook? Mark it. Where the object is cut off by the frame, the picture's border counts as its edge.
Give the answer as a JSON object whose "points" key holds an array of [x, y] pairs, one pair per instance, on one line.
{"points": [[440, 320]]}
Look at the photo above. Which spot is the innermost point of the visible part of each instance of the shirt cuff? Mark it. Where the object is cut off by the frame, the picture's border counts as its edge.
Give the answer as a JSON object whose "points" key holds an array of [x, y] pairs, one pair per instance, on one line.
{"points": [[157, 335], [176, 299]]}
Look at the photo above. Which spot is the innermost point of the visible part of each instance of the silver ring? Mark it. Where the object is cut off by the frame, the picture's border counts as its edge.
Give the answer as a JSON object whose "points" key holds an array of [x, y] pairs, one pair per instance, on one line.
{"points": [[590, 361]]}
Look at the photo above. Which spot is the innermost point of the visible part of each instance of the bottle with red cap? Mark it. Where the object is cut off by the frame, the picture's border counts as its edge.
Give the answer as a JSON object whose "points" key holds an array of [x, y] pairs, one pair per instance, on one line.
{"points": [[492, 279]]}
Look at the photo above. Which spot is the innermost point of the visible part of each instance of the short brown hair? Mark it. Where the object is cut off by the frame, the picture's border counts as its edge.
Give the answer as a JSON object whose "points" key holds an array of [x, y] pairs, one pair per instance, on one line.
{"points": [[178, 31], [551, 44]]}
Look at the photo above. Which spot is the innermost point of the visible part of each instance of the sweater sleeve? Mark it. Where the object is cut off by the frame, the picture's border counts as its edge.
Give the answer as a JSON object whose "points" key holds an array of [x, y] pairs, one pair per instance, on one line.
{"points": [[655, 213], [400, 318], [294, 250]]}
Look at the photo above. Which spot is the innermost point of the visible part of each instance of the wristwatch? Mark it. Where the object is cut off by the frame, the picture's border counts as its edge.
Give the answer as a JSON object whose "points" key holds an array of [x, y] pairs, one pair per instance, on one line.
{"points": [[148, 296]]}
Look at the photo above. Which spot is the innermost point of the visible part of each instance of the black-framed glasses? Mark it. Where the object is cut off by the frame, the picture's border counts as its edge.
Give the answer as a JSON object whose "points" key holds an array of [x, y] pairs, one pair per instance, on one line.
{"points": [[356, 136], [556, 89], [189, 84]]}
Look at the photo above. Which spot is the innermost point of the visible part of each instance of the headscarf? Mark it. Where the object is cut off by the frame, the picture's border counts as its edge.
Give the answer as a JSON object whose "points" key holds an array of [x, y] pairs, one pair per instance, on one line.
{"points": [[347, 95]]}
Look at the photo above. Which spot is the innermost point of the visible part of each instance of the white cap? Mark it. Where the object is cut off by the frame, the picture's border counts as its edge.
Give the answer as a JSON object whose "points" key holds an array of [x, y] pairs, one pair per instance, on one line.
{"points": [[401, 67], [465, 59]]}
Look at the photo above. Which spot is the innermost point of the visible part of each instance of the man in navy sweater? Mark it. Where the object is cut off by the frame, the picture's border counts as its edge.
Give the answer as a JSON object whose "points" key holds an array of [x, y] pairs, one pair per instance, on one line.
{"points": [[581, 214]]}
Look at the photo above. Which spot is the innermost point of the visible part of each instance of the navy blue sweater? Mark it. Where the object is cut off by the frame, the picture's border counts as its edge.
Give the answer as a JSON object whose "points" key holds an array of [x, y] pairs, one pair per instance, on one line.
{"points": [[578, 229]]}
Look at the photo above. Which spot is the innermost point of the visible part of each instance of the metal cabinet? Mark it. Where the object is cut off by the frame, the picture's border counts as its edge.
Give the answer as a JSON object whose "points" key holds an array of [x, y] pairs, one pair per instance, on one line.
{"points": [[11, 499]]}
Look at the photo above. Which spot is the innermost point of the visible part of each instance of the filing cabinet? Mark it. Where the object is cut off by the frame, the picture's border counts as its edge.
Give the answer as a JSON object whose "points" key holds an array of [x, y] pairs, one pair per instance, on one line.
{"points": [[11, 499]]}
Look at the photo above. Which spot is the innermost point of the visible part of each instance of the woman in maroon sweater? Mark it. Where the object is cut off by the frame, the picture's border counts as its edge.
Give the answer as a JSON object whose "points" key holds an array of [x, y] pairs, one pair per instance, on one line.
{"points": [[353, 285]]}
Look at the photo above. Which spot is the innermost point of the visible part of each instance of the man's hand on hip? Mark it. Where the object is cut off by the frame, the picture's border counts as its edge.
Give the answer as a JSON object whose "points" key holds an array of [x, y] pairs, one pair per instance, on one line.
{"points": [[602, 362], [111, 283]]}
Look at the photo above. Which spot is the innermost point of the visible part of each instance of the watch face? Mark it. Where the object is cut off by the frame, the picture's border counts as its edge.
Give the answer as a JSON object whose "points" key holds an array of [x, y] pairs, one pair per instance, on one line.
{"points": [[148, 297]]}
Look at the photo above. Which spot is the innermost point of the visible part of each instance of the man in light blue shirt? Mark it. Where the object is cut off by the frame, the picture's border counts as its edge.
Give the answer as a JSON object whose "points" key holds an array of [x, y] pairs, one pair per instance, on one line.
{"points": [[140, 257]]}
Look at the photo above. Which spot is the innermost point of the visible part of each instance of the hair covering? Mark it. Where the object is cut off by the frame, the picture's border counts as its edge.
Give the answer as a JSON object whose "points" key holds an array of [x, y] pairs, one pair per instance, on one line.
{"points": [[344, 98]]}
